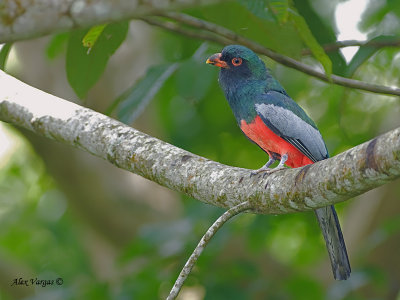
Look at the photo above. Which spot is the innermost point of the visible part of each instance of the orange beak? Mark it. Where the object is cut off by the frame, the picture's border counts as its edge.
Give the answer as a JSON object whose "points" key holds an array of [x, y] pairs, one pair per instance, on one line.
{"points": [[215, 60]]}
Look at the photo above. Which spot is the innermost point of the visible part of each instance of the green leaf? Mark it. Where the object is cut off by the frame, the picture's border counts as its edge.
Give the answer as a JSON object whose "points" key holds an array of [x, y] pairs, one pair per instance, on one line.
{"points": [[308, 38], [365, 52], [282, 38], [321, 28], [372, 17], [4, 52], [93, 34], [280, 8], [193, 85], [84, 67], [258, 8], [56, 45], [193, 79], [135, 99]]}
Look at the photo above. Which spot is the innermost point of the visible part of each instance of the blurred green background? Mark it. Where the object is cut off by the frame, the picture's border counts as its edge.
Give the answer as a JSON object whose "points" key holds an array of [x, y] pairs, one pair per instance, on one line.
{"points": [[110, 234]]}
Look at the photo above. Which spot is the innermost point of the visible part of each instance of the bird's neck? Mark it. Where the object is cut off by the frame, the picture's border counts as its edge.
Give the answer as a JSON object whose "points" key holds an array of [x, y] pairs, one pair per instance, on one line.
{"points": [[241, 95]]}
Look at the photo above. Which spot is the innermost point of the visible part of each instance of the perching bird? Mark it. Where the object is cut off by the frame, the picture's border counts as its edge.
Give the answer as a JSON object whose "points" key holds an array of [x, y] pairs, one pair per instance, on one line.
{"points": [[278, 125]]}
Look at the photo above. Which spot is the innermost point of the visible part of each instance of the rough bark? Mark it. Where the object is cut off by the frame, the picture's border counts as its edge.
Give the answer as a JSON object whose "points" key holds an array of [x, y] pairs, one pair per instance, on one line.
{"points": [[27, 19], [337, 179]]}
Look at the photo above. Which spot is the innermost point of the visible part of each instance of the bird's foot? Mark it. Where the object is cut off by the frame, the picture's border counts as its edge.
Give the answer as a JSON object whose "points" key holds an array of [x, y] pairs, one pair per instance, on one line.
{"points": [[266, 170], [260, 170]]}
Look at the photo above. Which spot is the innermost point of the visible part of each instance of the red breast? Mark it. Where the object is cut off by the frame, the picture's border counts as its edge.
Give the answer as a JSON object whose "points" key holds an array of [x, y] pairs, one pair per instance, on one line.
{"points": [[259, 133]]}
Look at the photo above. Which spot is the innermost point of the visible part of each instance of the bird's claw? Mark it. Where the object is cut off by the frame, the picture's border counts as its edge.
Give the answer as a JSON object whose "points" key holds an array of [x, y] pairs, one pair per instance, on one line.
{"points": [[256, 172], [266, 171]]}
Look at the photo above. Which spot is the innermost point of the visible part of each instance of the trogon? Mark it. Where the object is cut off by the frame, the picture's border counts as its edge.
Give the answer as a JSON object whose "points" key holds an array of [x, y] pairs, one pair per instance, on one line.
{"points": [[271, 119]]}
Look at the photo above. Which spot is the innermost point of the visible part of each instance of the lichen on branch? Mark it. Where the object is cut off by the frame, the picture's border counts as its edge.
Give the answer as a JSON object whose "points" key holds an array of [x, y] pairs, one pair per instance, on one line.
{"points": [[26, 19], [336, 179]]}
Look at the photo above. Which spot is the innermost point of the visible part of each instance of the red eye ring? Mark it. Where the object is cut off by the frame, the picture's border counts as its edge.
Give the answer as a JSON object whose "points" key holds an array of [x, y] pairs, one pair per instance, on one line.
{"points": [[236, 61]]}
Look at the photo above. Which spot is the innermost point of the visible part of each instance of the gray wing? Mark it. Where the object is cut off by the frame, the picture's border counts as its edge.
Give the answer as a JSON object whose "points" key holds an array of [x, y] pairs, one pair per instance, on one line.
{"points": [[286, 119]]}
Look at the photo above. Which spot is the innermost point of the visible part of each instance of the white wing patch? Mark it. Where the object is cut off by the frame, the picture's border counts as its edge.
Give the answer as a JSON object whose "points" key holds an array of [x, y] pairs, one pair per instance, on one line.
{"points": [[297, 132]]}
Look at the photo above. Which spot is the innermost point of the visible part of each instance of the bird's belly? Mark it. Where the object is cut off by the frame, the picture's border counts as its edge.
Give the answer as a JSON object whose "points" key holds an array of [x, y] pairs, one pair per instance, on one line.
{"points": [[264, 137]]}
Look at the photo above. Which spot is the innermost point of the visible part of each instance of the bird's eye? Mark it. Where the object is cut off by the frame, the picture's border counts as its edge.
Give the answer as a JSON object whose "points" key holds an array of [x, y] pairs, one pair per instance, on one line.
{"points": [[237, 61]]}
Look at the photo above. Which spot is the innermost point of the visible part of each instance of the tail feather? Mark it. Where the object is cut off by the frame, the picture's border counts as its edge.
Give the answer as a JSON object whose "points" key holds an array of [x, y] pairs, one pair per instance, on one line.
{"points": [[329, 223]]}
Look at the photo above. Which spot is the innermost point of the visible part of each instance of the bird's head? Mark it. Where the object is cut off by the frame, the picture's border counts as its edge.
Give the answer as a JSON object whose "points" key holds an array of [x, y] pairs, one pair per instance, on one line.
{"points": [[238, 63]]}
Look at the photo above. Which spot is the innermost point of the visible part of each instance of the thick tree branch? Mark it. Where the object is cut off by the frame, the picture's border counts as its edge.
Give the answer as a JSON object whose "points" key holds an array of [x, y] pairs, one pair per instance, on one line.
{"points": [[337, 179], [222, 34], [26, 19]]}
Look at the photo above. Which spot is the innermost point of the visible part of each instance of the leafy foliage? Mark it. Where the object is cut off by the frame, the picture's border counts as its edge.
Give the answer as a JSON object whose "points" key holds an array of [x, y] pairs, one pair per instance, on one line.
{"points": [[57, 45], [365, 52], [259, 8], [92, 35], [5, 50], [323, 29], [311, 42], [262, 30], [86, 65], [280, 9], [179, 100], [134, 100]]}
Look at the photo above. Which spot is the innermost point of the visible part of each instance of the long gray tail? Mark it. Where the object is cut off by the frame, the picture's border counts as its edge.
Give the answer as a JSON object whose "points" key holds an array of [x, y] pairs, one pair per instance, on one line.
{"points": [[329, 223]]}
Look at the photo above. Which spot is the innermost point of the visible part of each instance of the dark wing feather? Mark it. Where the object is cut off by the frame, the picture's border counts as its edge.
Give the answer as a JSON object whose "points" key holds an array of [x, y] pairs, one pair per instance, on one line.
{"points": [[287, 119]]}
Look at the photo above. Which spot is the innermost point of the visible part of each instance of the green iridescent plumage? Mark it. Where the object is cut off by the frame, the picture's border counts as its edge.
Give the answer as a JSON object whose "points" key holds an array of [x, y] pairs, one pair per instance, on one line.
{"points": [[270, 118]]}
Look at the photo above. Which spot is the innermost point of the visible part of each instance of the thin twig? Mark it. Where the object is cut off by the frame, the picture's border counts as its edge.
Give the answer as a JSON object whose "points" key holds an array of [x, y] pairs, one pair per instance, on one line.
{"points": [[196, 34], [203, 243], [222, 34], [355, 43]]}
